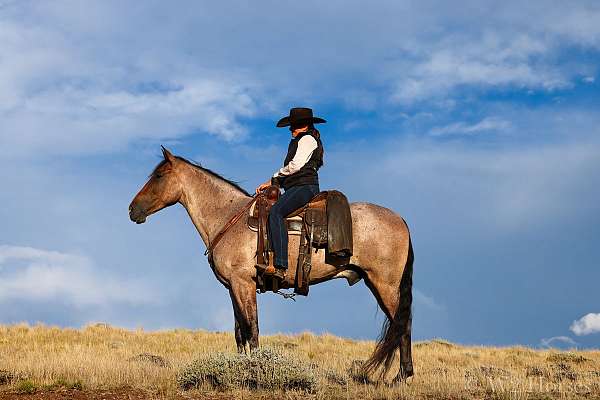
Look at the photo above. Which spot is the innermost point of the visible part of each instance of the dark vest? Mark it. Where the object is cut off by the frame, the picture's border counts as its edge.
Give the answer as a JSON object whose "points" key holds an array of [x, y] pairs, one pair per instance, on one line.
{"points": [[307, 175]]}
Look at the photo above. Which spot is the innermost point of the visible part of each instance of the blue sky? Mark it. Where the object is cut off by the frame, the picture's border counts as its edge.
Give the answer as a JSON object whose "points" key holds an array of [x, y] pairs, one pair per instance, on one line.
{"points": [[478, 122]]}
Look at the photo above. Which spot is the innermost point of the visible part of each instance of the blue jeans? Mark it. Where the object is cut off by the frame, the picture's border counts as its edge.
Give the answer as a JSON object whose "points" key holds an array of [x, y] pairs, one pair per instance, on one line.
{"points": [[293, 198]]}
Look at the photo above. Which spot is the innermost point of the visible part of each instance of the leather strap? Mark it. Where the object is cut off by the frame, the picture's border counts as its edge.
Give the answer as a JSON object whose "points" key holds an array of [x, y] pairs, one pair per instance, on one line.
{"points": [[228, 225], [260, 244]]}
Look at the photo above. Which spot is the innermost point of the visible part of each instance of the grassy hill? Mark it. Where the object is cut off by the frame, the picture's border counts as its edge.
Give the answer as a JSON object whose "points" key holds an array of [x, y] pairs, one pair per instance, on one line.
{"points": [[100, 361]]}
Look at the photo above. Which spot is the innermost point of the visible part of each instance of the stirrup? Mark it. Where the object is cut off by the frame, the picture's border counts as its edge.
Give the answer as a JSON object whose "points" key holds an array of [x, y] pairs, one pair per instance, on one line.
{"points": [[262, 267], [268, 265]]}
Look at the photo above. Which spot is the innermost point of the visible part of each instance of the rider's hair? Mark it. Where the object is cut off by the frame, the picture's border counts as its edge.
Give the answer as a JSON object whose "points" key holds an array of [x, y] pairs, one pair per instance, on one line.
{"points": [[311, 127]]}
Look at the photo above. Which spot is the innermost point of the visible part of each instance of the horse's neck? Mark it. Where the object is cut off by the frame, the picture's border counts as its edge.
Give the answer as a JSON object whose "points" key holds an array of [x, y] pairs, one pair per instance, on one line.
{"points": [[210, 202]]}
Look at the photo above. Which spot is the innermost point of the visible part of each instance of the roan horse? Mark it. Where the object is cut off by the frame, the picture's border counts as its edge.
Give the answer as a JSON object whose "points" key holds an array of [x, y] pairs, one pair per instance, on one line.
{"points": [[383, 254]]}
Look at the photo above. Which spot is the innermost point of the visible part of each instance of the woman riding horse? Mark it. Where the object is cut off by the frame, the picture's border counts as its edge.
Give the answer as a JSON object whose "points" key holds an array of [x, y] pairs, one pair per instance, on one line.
{"points": [[299, 179], [382, 249]]}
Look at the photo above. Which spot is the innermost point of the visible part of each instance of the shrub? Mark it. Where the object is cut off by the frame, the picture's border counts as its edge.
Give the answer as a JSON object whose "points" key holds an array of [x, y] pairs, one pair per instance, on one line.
{"points": [[263, 368], [335, 378], [435, 342], [6, 377], [357, 372], [64, 383], [566, 357], [150, 358], [26, 387], [536, 371], [564, 371]]}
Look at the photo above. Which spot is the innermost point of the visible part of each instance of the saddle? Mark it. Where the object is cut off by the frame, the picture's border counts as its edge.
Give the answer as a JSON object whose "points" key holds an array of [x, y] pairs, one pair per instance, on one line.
{"points": [[323, 223]]}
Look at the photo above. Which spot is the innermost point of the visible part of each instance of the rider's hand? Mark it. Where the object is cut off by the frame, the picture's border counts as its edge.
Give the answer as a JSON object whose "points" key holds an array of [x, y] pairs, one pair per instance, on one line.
{"points": [[263, 186]]}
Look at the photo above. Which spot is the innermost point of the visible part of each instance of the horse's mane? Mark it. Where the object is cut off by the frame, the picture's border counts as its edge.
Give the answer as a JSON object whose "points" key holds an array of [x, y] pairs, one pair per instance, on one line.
{"points": [[204, 169]]}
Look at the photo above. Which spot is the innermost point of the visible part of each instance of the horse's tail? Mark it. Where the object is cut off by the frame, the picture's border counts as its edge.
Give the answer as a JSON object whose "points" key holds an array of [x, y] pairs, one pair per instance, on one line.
{"points": [[396, 333]]}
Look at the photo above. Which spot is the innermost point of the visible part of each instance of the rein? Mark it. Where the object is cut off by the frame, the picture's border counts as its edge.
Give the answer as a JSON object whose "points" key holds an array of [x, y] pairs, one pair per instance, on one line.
{"points": [[228, 225]]}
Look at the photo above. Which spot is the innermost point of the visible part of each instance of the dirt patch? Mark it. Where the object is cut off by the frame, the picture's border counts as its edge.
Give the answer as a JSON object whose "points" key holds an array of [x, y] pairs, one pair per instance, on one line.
{"points": [[116, 394]]}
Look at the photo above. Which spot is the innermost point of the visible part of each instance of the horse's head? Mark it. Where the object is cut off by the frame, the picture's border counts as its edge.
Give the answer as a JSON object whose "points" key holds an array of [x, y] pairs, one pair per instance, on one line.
{"points": [[163, 189]]}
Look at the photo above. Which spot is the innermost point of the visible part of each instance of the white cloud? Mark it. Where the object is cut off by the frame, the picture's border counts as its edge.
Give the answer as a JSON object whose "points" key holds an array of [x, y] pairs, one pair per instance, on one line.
{"points": [[427, 301], [158, 72], [512, 186], [586, 325], [72, 120], [550, 342], [497, 50], [32, 274], [485, 125], [71, 94], [488, 62], [579, 23]]}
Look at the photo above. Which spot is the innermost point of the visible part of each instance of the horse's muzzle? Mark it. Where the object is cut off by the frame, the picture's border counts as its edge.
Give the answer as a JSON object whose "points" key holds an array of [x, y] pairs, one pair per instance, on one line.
{"points": [[137, 215]]}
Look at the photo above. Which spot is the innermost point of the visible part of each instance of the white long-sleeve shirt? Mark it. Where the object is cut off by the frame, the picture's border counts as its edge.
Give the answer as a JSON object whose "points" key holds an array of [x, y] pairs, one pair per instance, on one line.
{"points": [[306, 146]]}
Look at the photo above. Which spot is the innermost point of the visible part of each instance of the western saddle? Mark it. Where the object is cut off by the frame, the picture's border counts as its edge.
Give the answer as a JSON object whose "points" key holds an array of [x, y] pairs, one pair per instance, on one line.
{"points": [[323, 223]]}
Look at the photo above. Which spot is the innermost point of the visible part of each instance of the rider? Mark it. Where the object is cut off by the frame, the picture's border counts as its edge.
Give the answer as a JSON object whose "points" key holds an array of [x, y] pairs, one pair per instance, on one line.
{"points": [[298, 177]]}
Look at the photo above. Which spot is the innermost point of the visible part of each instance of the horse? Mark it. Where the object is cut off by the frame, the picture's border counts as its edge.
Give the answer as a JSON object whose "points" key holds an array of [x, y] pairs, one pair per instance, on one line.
{"points": [[382, 254]]}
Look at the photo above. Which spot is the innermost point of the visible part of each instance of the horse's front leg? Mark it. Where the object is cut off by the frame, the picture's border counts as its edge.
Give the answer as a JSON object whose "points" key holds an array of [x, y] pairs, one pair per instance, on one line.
{"points": [[243, 297], [240, 339]]}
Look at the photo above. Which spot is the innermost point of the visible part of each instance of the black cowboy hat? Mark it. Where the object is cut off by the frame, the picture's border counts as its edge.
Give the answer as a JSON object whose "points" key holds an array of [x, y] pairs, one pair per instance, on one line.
{"points": [[299, 115]]}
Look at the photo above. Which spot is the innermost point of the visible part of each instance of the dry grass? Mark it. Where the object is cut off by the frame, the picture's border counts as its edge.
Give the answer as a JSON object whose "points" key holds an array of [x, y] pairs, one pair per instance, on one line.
{"points": [[103, 357]]}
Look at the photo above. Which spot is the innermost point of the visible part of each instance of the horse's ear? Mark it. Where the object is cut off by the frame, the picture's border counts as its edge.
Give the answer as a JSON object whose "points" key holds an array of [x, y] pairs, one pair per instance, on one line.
{"points": [[167, 154]]}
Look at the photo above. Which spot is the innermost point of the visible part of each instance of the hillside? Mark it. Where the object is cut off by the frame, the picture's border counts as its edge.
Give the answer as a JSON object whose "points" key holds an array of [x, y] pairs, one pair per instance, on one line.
{"points": [[105, 362]]}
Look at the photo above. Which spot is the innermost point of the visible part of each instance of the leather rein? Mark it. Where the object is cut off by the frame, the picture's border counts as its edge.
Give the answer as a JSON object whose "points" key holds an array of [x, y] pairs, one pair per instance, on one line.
{"points": [[228, 225]]}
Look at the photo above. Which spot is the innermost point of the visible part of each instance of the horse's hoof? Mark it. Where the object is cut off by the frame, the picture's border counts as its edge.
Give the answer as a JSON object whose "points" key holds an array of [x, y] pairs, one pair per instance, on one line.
{"points": [[403, 375]]}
